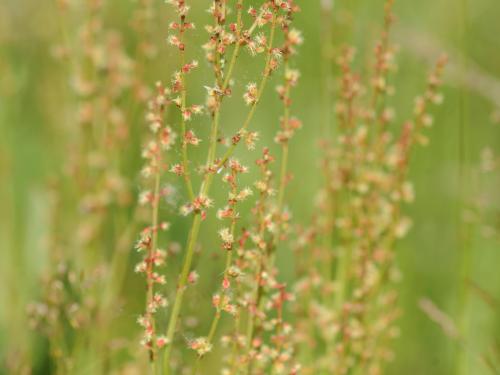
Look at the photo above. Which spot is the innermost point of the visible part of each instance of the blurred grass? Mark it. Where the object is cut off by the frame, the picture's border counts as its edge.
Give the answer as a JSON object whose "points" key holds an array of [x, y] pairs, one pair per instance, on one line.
{"points": [[33, 125]]}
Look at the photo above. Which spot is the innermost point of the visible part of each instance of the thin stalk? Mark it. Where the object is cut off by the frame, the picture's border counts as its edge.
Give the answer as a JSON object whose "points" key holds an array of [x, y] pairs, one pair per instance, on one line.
{"points": [[216, 319], [281, 194], [213, 138], [250, 334], [283, 164], [284, 147], [327, 68], [236, 50], [279, 328], [248, 119], [327, 123], [283, 176], [185, 158], [344, 261], [217, 63], [260, 207], [234, 350], [208, 177], [181, 288], [152, 249]]}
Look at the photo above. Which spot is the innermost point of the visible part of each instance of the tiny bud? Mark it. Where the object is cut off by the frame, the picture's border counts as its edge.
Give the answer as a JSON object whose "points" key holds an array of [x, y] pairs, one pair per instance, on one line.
{"points": [[193, 277]]}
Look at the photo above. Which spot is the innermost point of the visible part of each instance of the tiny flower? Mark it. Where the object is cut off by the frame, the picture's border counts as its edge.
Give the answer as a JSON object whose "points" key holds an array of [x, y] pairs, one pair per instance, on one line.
{"points": [[216, 300], [160, 100], [173, 26], [160, 279], [252, 11], [201, 345], [191, 139], [264, 18], [145, 197], [187, 114], [177, 101], [186, 209], [159, 257], [174, 40], [150, 150], [237, 167], [167, 137], [295, 37], [244, 194], [234, 271], [144, 243], [146, 172], [259, 44], [402, 227], [161, 341], [142, 321], [227, 238], [141, 267], [155, 126], [196, 109], [178, 169], [427, 120], [212, 91], [251, 93], [160, 300], [190, 66], [193, 277], [230, 309], [146, 341], [202, 202], [250, 139], [292, 75], [225, 213]]}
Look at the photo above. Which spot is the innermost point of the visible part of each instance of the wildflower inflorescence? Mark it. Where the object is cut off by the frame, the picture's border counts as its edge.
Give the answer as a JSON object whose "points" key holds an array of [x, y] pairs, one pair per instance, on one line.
{"points": [[86, 271], [228, 36], [344, 304], [348, 304]]}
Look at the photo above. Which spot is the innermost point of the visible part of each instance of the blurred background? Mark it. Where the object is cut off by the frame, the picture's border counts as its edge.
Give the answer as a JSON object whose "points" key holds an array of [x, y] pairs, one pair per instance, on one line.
{"points": [[452, 254]]}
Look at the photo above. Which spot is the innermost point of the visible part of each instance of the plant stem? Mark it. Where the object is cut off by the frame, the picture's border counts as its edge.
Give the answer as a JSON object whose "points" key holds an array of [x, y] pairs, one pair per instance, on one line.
{"points": [[185, 158], [327, 58], [262, 86], [270, 253], [215, 321], [181, 288], [284, 146], [236, 50]]}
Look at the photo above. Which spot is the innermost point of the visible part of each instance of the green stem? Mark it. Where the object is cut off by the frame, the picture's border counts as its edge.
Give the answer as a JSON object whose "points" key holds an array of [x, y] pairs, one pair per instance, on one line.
{"points": [[185, 158], [284, 147], [215, 321], [181, 288], [262, 86], [236, 51]]}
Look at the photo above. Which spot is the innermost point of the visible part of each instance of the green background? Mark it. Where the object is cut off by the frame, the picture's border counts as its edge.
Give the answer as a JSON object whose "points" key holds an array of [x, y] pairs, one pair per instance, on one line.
{"points": [[34, 123]]}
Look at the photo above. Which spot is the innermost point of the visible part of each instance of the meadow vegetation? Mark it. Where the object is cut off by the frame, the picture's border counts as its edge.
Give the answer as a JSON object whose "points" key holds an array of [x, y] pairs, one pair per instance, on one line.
{"points": [[247, 187]]}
